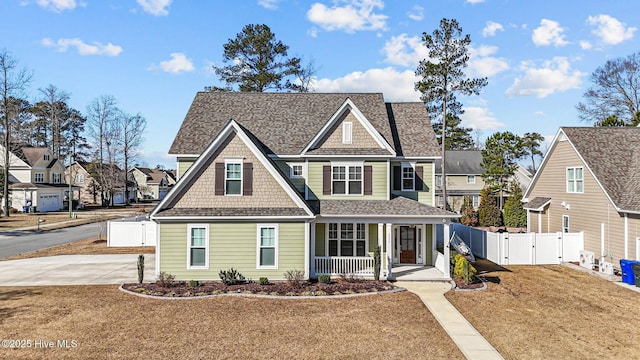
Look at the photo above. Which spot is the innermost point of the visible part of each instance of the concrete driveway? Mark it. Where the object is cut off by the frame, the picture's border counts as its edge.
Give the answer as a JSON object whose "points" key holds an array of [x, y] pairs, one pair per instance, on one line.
{"points": [[75, 270]]}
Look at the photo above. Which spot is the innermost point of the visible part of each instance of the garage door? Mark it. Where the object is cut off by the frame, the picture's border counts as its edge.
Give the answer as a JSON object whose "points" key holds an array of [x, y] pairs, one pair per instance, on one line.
{"points": [[118, 198], [49, 202]]}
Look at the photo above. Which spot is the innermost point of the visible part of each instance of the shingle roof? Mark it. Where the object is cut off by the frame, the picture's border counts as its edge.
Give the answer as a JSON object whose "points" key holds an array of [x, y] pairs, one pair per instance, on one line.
{"points": [[285, 123], [226, 212], [613, 155], [462, 162], [400, 206], [30, 154], [536, 203]]}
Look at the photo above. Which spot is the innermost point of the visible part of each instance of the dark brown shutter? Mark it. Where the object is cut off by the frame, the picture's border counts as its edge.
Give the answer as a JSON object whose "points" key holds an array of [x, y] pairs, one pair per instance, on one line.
{"points": [[419, 182], [219, 182], [397, 178], [326, 180], [367, 180], [247, 179]]}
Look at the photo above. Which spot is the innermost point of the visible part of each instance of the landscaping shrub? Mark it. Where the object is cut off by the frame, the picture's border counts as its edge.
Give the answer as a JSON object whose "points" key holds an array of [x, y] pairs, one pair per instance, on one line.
{"points": [[263, 280], [351, 278], [231, 277], [324, 278], [295, 277], [194, 283], [166, 280], [463, 270]]}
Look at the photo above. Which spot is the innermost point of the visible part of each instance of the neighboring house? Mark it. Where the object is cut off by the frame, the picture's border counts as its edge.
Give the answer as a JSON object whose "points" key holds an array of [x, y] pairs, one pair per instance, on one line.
{"points": [[589, 181], [85, 175], [464, 177], [35, 179], [152, 184], [270, 182]]}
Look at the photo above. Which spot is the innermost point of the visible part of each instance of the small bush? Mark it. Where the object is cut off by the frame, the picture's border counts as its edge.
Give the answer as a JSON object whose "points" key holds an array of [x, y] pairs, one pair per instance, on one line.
{"points": [[351, 278], [295, 277], [263, 280], [231, 277], [166, 280], [324, 278], [463, 270], [194, 283]]}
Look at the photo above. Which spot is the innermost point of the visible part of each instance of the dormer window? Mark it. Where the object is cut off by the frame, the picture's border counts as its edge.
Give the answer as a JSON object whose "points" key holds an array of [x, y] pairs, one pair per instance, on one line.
{"points": [[347, 132], [46, 157]]}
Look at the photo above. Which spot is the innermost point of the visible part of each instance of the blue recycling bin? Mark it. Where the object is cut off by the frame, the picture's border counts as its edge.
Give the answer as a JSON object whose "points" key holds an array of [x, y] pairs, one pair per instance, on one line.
{"points": [[627, 270]]}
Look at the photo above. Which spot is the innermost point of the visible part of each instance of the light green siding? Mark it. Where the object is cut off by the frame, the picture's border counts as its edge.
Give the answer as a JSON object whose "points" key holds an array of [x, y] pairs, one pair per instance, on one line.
{"points": [[424, 196], [231, 245], [379, 179], [183, 166]]}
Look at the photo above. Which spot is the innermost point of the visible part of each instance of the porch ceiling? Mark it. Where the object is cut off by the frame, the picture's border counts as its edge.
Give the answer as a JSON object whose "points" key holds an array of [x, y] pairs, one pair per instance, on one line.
{"points": [[397, 207]]}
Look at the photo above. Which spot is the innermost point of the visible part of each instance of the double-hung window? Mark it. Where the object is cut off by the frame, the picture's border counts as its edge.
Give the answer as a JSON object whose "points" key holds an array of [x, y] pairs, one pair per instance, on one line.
{"points": [[347, 239], [57, 178], [233, 177], [575, 180], [198, 247], [408, 177], [438, 180], [346, 179], [267, 254], [38, 177], [79, 178], [471, 179]]}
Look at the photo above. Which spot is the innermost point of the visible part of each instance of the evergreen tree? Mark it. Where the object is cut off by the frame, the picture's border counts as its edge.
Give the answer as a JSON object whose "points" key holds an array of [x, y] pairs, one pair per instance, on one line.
{"points": [[458, 137], [514, 214], [499, 159], [488, 212], [469, 214]]}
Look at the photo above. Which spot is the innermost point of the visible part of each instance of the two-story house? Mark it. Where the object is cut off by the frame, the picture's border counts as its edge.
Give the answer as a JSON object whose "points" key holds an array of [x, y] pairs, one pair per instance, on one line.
{"points": [[152, 184], [589, 181], [36, 179], [269, 182], [98, 184]]}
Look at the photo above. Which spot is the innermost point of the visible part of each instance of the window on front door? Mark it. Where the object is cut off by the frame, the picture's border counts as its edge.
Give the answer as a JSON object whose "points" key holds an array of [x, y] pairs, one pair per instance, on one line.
{"points": [[347, 239], [346, 180]]}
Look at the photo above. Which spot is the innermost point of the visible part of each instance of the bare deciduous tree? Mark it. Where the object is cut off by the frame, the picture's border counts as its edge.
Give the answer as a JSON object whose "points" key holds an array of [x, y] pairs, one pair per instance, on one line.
{"points": [[132, 128]]}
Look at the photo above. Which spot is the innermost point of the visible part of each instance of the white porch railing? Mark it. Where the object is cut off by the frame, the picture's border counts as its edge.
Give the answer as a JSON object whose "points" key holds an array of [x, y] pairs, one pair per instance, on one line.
{"points": [[337, 265]]}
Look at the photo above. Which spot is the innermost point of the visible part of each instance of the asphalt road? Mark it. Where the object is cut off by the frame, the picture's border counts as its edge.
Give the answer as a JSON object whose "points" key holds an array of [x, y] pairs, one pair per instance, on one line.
{"points": [[18, 242]]}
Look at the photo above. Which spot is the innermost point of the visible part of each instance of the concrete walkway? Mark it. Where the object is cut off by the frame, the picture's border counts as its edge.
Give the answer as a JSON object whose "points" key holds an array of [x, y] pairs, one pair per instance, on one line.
{"points": [[75, 270], [464, 335]]}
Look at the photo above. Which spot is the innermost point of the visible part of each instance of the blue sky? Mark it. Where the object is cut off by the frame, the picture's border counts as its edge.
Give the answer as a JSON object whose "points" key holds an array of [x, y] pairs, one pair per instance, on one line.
{"points": [[154, 55]]}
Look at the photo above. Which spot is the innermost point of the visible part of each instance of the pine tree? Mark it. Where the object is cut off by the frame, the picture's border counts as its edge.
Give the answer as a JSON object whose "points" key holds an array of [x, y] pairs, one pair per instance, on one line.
{"points": [[514, 214], [488, 212]]}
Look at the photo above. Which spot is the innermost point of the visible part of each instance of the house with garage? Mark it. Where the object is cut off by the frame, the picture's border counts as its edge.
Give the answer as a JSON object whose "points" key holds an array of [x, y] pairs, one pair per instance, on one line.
{"points": [[152, 184], [269, 182], [35, 179], [100, 184], [589, 182]]}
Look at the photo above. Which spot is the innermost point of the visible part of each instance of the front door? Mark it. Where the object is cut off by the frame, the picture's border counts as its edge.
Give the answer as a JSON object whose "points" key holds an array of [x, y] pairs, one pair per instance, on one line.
{"points": [[407, 245]]}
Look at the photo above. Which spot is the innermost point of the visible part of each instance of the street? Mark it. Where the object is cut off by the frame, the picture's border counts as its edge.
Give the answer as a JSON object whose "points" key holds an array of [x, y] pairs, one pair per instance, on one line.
{"points": [[18, 242]]}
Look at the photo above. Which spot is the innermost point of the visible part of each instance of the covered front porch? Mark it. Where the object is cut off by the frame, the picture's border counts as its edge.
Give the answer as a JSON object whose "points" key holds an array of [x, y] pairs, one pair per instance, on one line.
{"points": [[344, 244]]}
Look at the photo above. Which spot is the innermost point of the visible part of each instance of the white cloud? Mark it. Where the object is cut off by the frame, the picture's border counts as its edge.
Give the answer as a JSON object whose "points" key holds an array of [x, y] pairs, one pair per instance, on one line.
{"points": [[610, 30], [585, 45], [479, 118], [554, 76], [475, 1], [178, 63], [155, 7], [57, 5], [83, 48], [491, 28], [396, 86], [404, 50], [417, 13], [482, 64], [355, 15], [268, 4], [549, 33]]}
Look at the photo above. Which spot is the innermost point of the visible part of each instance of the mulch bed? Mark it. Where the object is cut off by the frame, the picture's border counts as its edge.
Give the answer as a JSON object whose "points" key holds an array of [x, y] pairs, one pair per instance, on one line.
{"points": [[275, 288]]}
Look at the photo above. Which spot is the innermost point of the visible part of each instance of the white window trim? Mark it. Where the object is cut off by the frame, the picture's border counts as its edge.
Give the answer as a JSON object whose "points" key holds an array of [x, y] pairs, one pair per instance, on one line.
{"points": [[575, 180], [473, 179], [346, 185], [304, 171], [57, 179], [206, 246], [46, 157], [405, 166], [79, 179], [35, 177], [438, 180], [347, 132], [355, 234], [233, 161], [568, 223], [475, 201], [259, 245]]}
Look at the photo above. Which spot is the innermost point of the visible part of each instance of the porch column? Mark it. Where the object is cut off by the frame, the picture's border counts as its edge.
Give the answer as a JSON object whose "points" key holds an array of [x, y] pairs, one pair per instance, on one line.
{"points": [[389, 256], [447, 256], [381, 245], [312, 250]]}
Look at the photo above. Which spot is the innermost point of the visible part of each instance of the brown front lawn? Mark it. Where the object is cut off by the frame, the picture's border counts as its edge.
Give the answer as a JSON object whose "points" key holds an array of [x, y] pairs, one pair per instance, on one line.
{"points": [[544, 312], [107, 323], [92, 246]]}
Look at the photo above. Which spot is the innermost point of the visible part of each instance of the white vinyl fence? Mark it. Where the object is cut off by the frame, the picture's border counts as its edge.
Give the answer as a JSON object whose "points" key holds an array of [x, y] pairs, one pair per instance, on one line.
{"points": [[521, 248], [123, 233]]}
